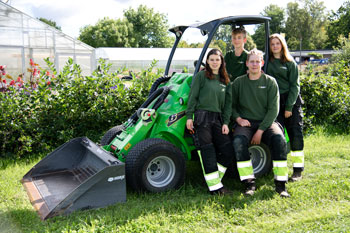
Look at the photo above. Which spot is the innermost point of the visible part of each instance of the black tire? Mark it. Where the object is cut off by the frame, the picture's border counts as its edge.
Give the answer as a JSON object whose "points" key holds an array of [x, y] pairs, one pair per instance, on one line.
{"points": [[261, 159], [155, 165], [111, 134]]}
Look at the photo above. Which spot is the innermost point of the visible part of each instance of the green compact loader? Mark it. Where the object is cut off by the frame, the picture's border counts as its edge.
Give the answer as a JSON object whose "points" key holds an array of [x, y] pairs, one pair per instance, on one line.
{"points": [[148, 151]]}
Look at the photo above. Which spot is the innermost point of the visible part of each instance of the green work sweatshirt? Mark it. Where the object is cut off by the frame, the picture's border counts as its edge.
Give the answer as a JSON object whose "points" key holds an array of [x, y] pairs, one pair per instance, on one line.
{"points": [[236, 66], [287, 76], [209, 95], [255, 99]]}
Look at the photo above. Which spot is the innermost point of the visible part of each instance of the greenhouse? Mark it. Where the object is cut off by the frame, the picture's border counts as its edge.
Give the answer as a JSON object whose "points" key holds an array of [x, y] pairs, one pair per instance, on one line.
{"points": [[23, 37]]}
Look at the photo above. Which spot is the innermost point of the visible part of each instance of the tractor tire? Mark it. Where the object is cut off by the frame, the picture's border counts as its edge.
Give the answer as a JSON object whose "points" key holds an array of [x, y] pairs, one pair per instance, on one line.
{"points": [[111, 134], [155, 165], [261, 159]]}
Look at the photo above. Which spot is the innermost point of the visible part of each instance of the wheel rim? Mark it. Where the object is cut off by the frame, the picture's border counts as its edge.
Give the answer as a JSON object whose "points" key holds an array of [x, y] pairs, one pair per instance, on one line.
{"points": [[258, 157], [160, 171]]}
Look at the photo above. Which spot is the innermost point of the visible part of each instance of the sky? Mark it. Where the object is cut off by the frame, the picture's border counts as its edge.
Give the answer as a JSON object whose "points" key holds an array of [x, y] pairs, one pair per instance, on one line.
{"points": [[72, 15]]}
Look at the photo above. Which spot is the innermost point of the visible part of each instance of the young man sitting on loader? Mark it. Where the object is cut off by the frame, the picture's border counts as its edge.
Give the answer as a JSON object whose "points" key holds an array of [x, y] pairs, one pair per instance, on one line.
{"points": [[255, 106]]}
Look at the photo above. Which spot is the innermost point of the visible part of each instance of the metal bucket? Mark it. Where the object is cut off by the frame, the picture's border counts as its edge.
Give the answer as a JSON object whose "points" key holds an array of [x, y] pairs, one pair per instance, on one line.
{"points": [[77, 175]]}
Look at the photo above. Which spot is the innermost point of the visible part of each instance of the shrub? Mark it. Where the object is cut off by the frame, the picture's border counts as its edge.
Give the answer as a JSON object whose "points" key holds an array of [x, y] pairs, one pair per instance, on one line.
{"points": [[326, 96], [59, 107]]}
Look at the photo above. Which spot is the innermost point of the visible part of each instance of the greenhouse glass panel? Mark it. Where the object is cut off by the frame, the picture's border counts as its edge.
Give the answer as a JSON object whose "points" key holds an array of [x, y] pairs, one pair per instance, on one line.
{"points": [[85, 64], [12, 58], [10, 37]]}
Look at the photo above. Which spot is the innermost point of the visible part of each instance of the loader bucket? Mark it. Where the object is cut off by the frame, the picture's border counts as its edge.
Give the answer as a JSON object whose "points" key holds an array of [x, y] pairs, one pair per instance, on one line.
{"points": [[77, 175]]}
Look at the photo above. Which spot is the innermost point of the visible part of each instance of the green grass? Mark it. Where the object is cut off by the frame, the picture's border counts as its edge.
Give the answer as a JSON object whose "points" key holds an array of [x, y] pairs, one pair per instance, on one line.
{"points": [[319, 203]]}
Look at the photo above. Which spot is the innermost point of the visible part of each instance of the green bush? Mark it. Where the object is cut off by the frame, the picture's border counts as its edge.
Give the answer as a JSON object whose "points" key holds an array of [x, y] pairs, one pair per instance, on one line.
{"points": [[67, 105], [326, 97]]}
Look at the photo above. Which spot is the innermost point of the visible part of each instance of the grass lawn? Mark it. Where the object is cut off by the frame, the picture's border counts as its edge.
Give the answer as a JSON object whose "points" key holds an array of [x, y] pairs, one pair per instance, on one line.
{"points": [[319, 203]]}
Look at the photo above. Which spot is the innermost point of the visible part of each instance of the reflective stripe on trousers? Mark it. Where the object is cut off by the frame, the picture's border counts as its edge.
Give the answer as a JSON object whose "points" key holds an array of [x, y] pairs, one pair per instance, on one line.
{"points": [[298, 159], [280, 170], [213, 179], [245, 170]]}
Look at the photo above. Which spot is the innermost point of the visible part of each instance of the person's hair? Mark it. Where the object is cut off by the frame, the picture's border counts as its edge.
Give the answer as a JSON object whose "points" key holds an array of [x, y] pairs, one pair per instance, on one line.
{"points": [[285, 55], [239, 30], [255, 51], [222, 70]]}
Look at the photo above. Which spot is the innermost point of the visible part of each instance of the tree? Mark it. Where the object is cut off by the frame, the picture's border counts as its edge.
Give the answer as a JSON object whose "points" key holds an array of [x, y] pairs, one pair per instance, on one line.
{"points": [[108, 33], [150, 29], [139, 28], [50, 22], [306, 26], [339, 25], [277, 22]]}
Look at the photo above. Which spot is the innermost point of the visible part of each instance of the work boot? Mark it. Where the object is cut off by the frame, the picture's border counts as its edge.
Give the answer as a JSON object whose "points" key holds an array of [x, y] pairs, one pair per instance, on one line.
{"points": [[221, 192], [296, 175], [281, 188], [250, 187]]}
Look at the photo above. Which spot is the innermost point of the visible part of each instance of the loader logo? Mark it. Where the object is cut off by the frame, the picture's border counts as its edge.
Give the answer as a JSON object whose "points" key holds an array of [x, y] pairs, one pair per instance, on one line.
{"points": [[127, 146], [111, 179], [175, 117]]}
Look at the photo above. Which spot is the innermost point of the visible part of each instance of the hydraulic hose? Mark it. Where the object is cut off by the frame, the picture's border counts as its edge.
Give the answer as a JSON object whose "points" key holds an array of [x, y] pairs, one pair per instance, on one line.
{"points": [[161, 92], [157, 83]]}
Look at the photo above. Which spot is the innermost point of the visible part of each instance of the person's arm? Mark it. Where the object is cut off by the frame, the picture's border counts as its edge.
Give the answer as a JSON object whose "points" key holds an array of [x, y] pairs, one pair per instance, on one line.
{"points": [[294, 85], [235, 96], [193, 96], [226, 113], [272, 105]]}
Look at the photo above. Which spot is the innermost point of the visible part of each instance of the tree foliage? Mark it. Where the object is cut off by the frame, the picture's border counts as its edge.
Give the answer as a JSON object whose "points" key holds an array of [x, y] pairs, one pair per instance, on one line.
{"points": [[51, 23], [339, 24], [150, 29], [277, 22], [306, 25], [139, 28], [108, 33]]}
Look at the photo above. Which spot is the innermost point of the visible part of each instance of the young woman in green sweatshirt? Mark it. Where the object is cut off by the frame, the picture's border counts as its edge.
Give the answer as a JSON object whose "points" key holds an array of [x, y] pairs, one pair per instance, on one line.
{"points": [[208, 114], [283, 68]]}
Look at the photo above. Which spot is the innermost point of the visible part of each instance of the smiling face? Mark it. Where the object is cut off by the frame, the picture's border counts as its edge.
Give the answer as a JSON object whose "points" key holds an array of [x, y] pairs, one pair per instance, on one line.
{"points": [[238, 40], [214, 62], [276, 47], [254, 64]]}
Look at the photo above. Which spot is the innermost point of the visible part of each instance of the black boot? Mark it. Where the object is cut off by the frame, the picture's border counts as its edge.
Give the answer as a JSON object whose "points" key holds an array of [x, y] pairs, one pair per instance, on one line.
{"points": [[222, 191], [250, 187], [281, 188], [296, 174]]}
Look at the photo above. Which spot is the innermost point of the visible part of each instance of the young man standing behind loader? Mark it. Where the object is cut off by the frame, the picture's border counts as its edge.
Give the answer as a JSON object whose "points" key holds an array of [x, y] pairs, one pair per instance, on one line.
{"points": [[236, 59]]}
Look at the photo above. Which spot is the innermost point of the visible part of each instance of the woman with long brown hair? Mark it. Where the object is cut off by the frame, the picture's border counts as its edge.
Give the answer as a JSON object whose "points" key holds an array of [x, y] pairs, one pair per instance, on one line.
{"points": [[206, 102], [283, 68]]}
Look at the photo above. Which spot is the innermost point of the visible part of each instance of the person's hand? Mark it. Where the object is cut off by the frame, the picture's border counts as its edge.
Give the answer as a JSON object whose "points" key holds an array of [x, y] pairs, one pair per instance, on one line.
{"points": [[189, 124], [287, 114], [225, 129], [257, 137], [242, 122]]}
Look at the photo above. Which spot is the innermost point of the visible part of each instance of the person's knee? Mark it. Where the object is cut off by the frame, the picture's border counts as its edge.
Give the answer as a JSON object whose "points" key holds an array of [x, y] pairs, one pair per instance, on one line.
{"points": [[278, 147], [240, 147], [296, 139]]}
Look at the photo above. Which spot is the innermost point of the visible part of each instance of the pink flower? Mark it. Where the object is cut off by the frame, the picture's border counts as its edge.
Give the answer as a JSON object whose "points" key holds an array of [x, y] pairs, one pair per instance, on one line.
{"points": [[4, 73], [4, 81], [19, 79], [48, 83], [12, 82], [31, 62], [47, 73]]}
